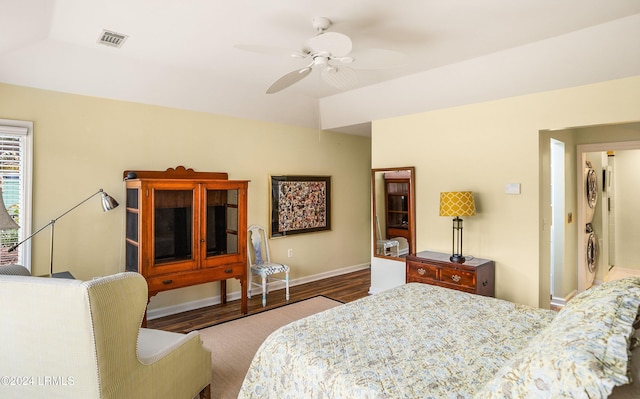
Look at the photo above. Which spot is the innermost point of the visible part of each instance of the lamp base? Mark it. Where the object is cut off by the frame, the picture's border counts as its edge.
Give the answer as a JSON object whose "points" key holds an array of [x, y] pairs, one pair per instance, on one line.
{"points": [[456, 258]]}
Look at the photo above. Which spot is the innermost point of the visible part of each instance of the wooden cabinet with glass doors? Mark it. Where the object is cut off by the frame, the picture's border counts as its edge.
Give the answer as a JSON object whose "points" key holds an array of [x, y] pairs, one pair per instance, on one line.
{"points": [[396, 190], [185, 228]]}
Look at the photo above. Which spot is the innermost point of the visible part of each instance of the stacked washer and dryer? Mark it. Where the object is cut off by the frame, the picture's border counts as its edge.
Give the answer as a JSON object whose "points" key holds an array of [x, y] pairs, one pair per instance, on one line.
{"points": [[591, 238]]}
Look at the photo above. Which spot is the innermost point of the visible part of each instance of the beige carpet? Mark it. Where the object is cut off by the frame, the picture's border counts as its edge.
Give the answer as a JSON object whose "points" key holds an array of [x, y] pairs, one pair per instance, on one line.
{"points": [[233, 344]]}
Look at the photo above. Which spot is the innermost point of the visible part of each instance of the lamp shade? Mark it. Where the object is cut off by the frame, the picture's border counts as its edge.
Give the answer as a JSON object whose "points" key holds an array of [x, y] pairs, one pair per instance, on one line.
{"points": [[6, 221], [457, 203], [108, 202]]}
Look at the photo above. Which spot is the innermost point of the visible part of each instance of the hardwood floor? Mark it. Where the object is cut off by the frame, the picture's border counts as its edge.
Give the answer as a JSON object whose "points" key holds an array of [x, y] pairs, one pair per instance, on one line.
{"points": [[343, 288]]}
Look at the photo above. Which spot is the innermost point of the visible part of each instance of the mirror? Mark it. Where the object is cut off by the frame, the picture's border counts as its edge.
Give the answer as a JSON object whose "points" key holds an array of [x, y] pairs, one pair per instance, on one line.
{"points": [[393, 203]]}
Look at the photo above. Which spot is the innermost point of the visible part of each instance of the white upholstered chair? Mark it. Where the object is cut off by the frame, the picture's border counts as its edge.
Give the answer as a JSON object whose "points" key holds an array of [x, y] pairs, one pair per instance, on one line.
{"points": [[62, 338], [14, 270], [260, 263]]}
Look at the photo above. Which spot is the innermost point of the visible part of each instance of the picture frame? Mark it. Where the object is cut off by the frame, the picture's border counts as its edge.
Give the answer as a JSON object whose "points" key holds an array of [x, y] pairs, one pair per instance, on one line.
{"points": [[300, 204]]}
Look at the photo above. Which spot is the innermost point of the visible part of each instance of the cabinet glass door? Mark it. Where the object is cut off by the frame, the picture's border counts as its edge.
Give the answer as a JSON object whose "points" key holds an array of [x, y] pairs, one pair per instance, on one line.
{"points": [[222, 222], [133, 230], [173, 225], [397, 205]]}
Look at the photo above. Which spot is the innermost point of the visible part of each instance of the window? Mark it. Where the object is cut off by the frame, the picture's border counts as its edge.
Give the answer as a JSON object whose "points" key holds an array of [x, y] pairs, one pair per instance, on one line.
{"points": [[15, 177]]}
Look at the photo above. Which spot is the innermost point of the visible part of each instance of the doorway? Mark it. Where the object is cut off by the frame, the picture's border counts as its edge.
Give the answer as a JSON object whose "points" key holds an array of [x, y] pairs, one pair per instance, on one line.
{"points": [[560, 284], [616, 217]]}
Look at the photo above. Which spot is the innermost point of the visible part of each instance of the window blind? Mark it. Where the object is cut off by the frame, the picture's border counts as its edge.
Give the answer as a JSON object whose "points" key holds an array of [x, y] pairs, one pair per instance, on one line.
{"points": [[12, 145]]}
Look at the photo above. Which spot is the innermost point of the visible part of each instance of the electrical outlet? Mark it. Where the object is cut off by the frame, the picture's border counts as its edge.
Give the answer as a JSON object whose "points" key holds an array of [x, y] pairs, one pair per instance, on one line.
{"points": [[290, 253]]}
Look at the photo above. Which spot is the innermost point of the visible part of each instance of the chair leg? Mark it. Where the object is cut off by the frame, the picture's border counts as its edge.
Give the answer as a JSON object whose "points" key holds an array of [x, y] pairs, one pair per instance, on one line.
{"points": [[205, 393], [249, 285], [286, 284], [264, 291]]}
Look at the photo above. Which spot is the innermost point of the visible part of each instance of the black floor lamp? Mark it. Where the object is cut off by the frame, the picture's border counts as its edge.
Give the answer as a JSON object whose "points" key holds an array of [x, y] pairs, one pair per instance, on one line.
{"points": [[108, 203], [457, 203]]}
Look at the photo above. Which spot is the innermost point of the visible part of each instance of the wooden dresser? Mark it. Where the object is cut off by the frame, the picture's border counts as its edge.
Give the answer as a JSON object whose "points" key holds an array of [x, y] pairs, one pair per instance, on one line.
{"points": [[475, 276]]}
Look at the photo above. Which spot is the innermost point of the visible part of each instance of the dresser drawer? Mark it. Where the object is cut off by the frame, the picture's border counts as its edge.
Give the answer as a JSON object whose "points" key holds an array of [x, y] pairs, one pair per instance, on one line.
{"points": [[226, 271], [206, 275], [161, 283], [475, 276], [422, 271], [458, 277]]}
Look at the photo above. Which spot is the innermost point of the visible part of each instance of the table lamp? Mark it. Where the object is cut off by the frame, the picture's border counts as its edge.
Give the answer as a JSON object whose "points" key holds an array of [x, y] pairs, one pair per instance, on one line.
{"points": [[457, 203]]}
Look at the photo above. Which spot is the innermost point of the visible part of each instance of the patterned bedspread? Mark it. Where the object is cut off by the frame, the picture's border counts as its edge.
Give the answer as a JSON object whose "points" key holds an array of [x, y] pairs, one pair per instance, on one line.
{"points": [[414, 341]]}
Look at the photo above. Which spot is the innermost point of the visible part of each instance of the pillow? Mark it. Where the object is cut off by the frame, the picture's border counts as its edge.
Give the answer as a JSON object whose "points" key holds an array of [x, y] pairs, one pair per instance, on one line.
{"points": [[582, 353], [632, 390]]}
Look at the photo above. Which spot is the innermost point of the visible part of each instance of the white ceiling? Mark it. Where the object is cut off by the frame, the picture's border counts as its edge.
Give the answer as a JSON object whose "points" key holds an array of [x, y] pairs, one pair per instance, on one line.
{"points": [[180, 53]]}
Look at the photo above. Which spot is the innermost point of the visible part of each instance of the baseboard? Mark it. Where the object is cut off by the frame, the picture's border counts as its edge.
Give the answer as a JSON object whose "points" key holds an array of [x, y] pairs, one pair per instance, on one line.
{"points": [[235, 295], [560, 302], [374, 290]]}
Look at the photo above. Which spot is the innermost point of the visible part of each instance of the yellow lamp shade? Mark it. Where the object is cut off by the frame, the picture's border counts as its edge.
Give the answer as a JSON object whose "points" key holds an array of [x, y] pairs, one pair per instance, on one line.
{"points": [[457, 203]]}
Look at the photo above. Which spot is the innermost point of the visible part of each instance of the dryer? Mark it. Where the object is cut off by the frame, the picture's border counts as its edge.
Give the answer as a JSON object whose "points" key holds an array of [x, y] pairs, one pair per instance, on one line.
{"points": [[590, 191], [591, 255]]}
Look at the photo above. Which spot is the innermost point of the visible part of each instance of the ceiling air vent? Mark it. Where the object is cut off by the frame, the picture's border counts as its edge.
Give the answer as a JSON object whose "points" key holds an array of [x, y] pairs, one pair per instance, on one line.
{"points": [[112, 39]]}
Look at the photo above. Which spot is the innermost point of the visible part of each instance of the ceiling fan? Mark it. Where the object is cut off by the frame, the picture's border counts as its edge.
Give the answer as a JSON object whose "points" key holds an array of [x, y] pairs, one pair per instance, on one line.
{"points": [[329, 52]]}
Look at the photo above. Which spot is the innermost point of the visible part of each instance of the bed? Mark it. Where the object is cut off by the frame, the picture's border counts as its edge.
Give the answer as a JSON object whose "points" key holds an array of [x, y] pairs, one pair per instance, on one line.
{"points": [[423, 341]]}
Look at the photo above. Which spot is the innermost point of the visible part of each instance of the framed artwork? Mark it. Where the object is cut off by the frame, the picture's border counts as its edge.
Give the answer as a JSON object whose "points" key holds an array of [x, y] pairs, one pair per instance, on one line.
{"points": [[300, 204]]}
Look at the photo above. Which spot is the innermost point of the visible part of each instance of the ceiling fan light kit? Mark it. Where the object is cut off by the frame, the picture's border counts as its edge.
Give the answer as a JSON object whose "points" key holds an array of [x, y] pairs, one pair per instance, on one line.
{"points": [[321, 60], [320, 24], [327, 51]]}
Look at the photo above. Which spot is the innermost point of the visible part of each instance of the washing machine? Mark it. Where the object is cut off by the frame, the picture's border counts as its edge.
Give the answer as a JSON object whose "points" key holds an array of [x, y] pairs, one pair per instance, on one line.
{"points": [[591, 191], [591, 255]]}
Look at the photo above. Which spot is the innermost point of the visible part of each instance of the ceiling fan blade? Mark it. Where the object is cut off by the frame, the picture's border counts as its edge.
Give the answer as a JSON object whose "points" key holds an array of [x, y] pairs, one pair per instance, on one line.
{"points": [[340, 76], [269, 50], [376, 58], [288, 79], [335, 43]]}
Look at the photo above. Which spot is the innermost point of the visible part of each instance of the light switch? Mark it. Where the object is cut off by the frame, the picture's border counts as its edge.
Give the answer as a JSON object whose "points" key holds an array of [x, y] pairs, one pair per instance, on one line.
{"points": [[512, 188]]}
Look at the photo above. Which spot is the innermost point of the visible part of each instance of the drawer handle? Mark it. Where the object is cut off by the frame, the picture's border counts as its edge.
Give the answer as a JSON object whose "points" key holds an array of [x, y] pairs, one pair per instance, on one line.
{"points": [[167, 281], [456, 278], [228, 271], [484, 283], [421, 271]]}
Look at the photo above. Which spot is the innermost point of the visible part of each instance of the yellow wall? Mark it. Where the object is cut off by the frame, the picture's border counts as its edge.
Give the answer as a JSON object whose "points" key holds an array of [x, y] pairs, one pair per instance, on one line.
{"points": [[84, 143], [481, 147]]}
